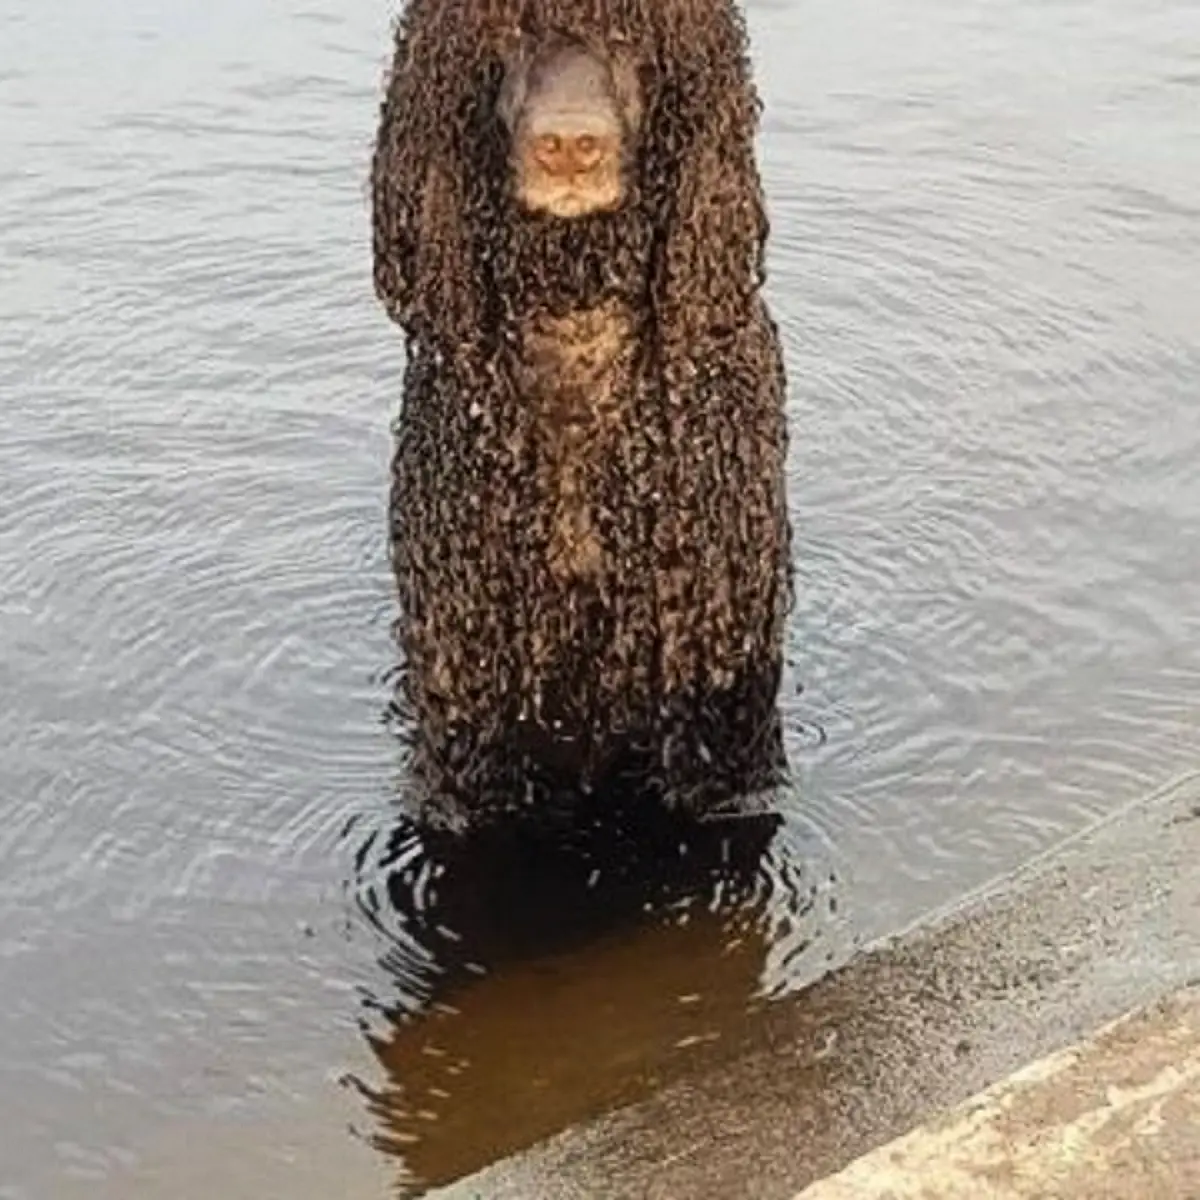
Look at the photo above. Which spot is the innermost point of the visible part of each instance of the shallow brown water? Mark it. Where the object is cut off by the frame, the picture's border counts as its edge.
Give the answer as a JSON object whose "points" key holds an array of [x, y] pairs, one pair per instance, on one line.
{"points": [[984, 266]]}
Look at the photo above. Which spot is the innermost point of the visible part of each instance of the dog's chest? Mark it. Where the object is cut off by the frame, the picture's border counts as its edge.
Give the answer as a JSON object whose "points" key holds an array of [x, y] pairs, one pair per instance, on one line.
{"points": [[576, 376]]}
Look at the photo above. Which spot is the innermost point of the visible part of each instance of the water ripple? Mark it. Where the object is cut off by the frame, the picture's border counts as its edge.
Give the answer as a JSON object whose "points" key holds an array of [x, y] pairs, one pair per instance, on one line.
{"points": [[982, 265]]}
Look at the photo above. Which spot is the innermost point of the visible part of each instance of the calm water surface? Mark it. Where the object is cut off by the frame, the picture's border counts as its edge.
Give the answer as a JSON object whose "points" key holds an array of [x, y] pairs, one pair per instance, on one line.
{"points": [[985, 266]]}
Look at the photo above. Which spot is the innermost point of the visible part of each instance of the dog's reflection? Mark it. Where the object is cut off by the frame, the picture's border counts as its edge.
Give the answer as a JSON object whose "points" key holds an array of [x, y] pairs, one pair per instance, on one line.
{"points": [[551, 974]]}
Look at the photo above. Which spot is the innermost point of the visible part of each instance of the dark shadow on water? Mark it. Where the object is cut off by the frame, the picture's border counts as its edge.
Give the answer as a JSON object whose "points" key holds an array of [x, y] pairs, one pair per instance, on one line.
{"points": [[519, 888], [540, 974]]}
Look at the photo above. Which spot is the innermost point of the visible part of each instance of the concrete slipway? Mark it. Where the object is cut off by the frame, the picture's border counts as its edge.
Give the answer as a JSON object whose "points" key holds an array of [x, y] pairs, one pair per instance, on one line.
{"points": [[894, 1077]]}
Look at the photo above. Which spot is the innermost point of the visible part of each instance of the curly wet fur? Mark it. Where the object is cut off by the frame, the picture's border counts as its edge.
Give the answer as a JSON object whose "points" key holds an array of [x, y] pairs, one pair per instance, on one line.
{"points": [[589, 525]]}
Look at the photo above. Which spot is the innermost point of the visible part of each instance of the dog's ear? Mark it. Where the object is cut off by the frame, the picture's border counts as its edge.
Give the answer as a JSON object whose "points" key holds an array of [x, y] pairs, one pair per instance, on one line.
{"points": [[713, 249], [708, 204], [398, 169], [422, 183]]}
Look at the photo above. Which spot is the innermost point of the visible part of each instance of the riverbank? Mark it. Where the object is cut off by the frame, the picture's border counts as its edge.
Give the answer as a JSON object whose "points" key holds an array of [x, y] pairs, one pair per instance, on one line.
{"points": [[1106, 924]]}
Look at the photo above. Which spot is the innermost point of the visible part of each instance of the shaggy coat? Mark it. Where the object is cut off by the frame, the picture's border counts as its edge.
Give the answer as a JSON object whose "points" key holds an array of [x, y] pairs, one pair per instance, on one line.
{"points": [[589, 525]]}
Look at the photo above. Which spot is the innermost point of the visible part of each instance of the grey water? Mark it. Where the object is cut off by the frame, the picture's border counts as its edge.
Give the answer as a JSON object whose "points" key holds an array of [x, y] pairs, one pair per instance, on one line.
{"points": [[985, 266]]}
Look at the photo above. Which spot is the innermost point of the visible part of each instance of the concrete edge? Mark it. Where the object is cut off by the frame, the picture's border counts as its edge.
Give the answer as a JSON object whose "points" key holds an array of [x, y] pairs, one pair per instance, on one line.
{"points": [[1116, 1114]]}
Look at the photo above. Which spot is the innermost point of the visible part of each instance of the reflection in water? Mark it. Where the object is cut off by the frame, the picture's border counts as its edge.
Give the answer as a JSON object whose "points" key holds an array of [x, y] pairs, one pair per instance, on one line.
{"points": [[546, 974]]}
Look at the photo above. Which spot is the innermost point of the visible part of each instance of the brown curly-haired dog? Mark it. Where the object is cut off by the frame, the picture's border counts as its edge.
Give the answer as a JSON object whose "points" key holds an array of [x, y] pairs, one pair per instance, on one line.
{"points": [[589, 525]]}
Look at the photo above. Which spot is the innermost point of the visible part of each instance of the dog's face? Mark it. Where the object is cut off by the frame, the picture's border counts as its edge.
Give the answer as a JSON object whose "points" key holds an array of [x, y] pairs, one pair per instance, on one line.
{"points": [[572, 118]]}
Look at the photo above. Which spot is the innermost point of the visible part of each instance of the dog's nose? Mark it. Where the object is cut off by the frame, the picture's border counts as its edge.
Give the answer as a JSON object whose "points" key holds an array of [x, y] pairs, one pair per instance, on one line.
{"points": [[566, 156]]}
